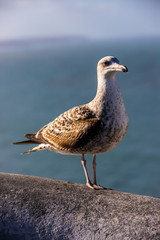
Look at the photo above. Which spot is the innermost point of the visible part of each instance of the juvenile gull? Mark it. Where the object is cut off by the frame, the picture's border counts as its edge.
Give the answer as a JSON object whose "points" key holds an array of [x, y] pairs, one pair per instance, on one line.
{"points": [[93, 128]]}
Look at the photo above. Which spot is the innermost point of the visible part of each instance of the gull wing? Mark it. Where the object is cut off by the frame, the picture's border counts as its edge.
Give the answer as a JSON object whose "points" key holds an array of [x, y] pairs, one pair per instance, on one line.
{"points": [[66, 133], [74, 136]]}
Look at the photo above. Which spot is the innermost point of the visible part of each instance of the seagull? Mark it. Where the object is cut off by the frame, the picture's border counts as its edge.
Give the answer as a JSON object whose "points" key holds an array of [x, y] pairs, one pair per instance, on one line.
{"points": [[93, 128]]}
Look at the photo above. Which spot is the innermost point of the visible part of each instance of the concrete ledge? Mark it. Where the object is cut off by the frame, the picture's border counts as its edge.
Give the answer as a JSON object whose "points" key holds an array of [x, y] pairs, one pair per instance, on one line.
{"points": [[38, 208]]}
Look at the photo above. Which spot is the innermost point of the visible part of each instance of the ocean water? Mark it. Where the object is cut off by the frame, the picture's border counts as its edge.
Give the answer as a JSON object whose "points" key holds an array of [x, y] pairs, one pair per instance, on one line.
{"points": [[37, 83]]}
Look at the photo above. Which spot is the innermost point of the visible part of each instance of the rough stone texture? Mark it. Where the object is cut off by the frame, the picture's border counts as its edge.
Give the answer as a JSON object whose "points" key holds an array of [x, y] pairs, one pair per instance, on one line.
{"points": [[39, 208]]}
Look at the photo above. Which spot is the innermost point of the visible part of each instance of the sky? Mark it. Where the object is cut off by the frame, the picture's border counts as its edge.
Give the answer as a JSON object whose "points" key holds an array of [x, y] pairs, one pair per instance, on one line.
{"points": [[94, 19]]}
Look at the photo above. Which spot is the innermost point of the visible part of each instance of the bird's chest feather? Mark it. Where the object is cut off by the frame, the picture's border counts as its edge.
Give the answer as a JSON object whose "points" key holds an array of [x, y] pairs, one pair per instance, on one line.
{"points": [[114, 115]]}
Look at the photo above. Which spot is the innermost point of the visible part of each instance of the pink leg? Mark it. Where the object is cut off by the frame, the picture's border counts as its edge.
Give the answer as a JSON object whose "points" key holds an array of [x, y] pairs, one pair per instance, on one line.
{"points": [[88, 183], [94, 170], [94, 174]]}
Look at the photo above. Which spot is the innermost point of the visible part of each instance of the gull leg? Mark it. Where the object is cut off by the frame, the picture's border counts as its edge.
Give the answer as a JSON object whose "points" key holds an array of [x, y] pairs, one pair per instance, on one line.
{"points": [[94, 173], [88, 183], [94, 170]]}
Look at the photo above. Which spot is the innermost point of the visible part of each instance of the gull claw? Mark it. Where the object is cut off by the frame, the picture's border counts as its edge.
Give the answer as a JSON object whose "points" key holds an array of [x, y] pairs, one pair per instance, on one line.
{"points": [[98, 187]]}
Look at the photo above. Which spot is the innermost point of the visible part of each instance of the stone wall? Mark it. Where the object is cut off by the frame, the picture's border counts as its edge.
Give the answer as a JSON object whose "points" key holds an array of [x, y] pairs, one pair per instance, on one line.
{"points": [[39, 208]]}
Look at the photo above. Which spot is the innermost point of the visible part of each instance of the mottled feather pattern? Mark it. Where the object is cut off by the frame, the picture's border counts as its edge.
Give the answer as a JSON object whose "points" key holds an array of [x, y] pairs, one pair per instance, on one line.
{"points": [[96, 127], [71, 130]]}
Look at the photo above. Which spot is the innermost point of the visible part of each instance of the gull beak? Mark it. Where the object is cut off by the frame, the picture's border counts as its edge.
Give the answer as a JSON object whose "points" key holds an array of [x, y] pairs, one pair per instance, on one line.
{"points": [[122, 68], [119, 68]]}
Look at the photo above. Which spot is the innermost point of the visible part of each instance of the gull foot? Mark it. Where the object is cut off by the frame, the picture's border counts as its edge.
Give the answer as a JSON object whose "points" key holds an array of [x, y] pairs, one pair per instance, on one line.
{"points": [[93, 186], [98, 187], [90, 185]]}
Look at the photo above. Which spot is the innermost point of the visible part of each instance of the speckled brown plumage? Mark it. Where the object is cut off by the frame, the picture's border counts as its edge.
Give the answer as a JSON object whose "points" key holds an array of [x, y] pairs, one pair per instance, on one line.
{"points": [[71, 131], [92, 128]]}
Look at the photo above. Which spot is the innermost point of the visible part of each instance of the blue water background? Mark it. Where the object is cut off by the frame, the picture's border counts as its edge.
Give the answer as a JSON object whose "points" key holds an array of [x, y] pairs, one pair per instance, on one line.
{"points": [[39, 82]]}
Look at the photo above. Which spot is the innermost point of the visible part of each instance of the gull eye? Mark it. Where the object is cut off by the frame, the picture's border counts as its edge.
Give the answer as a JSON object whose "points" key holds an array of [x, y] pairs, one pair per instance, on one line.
{"points": [[107, 63]]}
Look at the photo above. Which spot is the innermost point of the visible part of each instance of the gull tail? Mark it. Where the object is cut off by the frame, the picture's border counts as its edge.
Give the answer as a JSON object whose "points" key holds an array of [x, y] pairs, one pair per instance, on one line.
{"points": [[24, 142], [41, 146], [31, 137], [32, 140]]}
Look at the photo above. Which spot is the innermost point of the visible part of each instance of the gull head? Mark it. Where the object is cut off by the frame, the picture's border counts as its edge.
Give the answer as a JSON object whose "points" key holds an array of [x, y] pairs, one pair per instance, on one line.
{"points": [[109, 66]]}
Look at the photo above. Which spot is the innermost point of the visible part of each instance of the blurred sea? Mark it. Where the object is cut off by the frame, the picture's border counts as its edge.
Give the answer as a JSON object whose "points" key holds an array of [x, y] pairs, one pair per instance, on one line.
{"points": [[39, 82]]}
